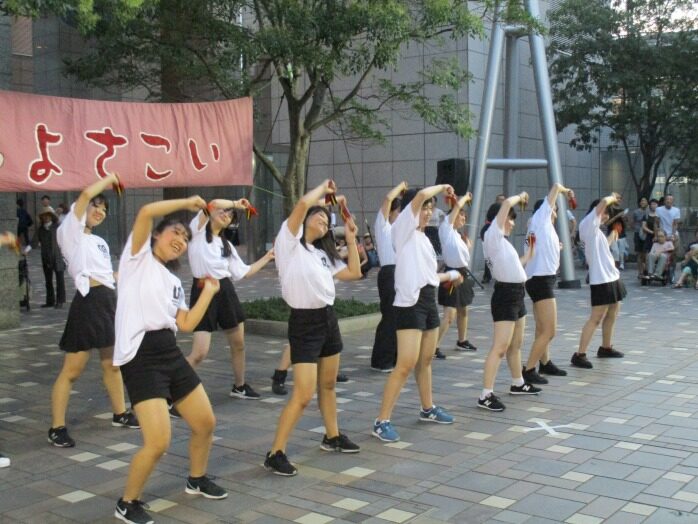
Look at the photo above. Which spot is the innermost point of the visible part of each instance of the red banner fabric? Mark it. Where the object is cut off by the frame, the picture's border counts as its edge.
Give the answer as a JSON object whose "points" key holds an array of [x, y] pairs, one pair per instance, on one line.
{"points": [[58, 144]]}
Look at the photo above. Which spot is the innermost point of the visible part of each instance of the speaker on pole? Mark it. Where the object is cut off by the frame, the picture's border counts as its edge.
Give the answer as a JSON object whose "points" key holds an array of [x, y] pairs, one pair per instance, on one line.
{"points": [[456, 172]]}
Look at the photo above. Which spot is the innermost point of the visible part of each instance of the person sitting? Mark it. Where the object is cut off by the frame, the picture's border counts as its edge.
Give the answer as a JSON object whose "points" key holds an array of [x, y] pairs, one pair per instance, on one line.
{"points": [[659, 255], [689, 265], [371, 254]]}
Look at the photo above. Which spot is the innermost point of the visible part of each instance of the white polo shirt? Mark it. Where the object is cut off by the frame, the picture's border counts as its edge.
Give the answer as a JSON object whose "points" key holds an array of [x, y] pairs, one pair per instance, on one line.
{"points": [[86, 255], [454, 250], [502, 257], [602, 268], [206, 259], [415, 259], [546, 252], [384, 242], [149, 299], [667, 217], [306, 273]]}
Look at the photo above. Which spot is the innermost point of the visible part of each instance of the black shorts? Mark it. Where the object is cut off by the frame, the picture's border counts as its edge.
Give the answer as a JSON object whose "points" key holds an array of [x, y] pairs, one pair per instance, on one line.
{"points": [[159, 370], [541, 287], [461, 296], [423, 316], [224, 311], [313, 334], [608, 293], [508, 302], [90, 323]]}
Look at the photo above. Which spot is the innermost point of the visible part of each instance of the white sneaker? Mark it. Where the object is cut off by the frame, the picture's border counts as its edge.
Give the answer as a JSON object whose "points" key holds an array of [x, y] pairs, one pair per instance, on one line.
{"points": [[4, 461]]}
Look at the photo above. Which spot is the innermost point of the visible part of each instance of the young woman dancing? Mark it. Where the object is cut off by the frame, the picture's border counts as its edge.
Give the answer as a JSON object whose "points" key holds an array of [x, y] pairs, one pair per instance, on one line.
{"points": [[541, 271], [456, 255], [607, 290], [90, 323], [212, 255], [417, 318], [507, 303], [384, 352], [307, 261], [150, 309]]}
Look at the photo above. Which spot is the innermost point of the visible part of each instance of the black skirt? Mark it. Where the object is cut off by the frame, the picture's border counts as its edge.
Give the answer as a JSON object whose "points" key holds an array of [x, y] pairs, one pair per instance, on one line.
{"points": [[607, 293], [90, 323], [461, 296]]}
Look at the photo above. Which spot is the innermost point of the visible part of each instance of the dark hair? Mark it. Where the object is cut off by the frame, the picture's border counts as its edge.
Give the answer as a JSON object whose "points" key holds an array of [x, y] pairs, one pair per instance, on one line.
{"points": [[325, 243], [408, 197], [596, 203], [45, 196], [95, 201], [395, 204], [537, 205], [492, 214], [227, 250], [20, 202], [640, 200], [172, 265], [653, 200]]}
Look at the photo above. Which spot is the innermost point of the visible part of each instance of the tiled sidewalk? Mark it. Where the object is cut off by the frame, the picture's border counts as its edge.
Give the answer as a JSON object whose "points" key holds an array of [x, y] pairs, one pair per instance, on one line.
{"points": [[614, 444]]}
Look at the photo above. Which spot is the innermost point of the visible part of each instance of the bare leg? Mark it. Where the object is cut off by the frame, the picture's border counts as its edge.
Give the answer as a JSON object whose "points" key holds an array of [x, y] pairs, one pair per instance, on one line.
{"points": [[597, 315], [422, 370], [462, 323], [408, 346], [609, 324], [285, 359], [545, 314], [304, 385], [196, 410], [326, 395], [503, 333], [155, 425], [201, 343], [73, 366], [449, 315], [112, 380], [514, 349], [236, 341]]}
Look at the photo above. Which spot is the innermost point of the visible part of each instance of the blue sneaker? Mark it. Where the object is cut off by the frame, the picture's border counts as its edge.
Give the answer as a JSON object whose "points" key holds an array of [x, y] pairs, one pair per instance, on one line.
{"points": [[385, 431], [435, 414]]}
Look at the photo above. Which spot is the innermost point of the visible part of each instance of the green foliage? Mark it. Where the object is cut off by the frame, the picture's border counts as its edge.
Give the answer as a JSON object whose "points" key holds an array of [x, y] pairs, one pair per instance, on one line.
{"points": [[276, 309], [629, 67]]}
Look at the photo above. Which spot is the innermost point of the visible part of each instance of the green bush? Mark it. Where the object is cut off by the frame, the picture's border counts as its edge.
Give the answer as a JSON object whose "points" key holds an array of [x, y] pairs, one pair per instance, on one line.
{"points": [[276, 309]]}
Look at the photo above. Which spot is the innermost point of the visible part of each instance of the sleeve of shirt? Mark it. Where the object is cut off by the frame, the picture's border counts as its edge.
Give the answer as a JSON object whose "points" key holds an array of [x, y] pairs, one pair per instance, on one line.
{"points": [[588, 224], [68, 234], [182, 305], [238, 268], [286, 242], [446, 233], [403, 228], [670, 246], [194, 224], [337, 266]]}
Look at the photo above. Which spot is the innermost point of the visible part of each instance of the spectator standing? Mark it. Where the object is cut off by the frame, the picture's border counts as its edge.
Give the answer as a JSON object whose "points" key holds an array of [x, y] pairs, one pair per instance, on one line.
{"points": [[51, 257], [639, 236], [24, 222]]}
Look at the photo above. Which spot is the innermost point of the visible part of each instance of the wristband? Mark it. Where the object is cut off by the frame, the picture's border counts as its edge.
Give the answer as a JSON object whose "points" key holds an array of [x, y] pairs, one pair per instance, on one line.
{"points": [[453, 275]]}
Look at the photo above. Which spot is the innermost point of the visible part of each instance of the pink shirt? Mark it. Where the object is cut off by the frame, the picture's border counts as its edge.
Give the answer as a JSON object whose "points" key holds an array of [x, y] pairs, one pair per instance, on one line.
{"points": [[658, 248]]}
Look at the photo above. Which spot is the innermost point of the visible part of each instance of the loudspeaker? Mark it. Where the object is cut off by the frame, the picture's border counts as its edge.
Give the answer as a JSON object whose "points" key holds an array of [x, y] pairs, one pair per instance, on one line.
{"points": [[456, 172]]}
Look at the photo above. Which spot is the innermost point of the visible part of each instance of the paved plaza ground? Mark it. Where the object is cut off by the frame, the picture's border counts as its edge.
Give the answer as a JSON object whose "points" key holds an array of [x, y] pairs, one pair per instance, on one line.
{"points": [[615, 444]]}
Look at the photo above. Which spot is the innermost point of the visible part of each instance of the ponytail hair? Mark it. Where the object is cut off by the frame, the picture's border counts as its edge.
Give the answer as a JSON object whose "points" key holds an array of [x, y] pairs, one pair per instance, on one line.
{"points": [[227, 250], [325, 243]]}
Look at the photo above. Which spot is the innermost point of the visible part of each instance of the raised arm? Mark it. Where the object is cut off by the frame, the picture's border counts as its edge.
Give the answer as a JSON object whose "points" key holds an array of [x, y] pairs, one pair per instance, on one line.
{"points": [[556, 190], [503, 214], [92, 191], [295, 219], [427, 193], [606, 201], [263, 261], [222, 203], [143, 224], [392, 195], [187, 320], [353, 269], [468, 197]]}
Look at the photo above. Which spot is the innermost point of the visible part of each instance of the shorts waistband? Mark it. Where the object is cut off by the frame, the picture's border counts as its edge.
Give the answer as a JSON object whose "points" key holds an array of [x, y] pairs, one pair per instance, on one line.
{"points": [[509, 285]]}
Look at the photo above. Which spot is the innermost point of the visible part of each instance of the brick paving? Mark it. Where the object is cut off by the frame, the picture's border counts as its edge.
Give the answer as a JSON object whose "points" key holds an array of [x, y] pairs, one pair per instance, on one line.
{"points": [[624, 450]]}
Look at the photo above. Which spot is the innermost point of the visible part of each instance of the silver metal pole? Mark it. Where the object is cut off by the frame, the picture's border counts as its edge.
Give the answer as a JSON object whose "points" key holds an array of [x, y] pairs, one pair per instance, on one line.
{"points": [[485, 129], [547, 121], [517, 163], [511, 113]]}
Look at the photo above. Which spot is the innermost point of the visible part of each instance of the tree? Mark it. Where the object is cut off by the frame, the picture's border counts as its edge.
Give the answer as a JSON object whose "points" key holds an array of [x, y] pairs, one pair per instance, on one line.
{"points": [[183, 50], [629, 66]]}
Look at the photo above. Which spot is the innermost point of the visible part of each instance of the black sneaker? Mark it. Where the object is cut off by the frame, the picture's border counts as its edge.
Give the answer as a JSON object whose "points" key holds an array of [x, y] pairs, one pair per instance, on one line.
{"points": [[279, 464], [174, 412], [206, 487], [133, 512], [125, 420], [244, 391], [340, 443], [526, 389], [491, 402], [532, 377], [551, 369], [278, 388], [59, 437], [438, 355], [465, 346], [580, 360], [341, 377], [608, 353]]}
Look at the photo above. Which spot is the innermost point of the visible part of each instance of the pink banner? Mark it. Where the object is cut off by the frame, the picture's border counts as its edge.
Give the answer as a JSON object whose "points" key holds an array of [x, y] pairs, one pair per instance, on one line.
{"points": [[58, 144]]}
